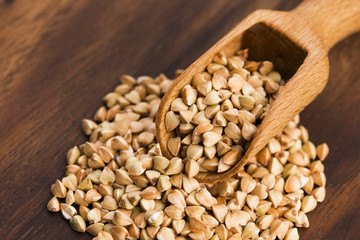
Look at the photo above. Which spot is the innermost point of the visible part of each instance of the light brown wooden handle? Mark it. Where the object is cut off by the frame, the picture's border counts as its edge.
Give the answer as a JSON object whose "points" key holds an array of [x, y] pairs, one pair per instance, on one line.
{"points": [[334, 20]]}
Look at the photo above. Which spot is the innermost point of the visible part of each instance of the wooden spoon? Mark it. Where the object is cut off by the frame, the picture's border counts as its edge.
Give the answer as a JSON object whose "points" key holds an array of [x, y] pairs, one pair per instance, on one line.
{"points": [[297, 42]]}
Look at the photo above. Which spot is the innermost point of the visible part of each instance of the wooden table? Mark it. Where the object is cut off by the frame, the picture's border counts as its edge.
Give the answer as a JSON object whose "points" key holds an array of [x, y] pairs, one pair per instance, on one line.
{"points": [[58, 58]]}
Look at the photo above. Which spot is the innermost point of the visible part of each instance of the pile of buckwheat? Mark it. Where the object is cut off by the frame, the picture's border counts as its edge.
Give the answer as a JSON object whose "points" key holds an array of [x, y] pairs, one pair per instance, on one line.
{"points": [[119, 186]]}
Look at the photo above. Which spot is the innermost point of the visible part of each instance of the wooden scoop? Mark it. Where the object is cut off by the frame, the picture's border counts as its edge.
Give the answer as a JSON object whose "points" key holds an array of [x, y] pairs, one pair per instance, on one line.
{"points": [[297, 42]]}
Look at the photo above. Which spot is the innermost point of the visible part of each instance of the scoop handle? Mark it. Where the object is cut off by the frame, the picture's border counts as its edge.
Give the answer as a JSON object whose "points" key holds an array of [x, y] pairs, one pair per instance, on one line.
{"points": [[334, 20]]}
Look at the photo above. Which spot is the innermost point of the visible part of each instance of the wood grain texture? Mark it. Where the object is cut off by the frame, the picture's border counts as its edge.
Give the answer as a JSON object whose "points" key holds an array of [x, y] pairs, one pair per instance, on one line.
{"points": [[59, 58], [333, 20]]}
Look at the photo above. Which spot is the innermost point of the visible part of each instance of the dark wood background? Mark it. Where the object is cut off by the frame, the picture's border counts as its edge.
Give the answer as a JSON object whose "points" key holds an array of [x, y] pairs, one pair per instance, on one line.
{"points": [[58, 58]]}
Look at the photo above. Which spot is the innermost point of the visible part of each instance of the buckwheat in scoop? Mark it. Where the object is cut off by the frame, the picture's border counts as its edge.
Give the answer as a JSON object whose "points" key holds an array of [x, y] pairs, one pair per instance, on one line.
{"points": [[214, 118]]}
